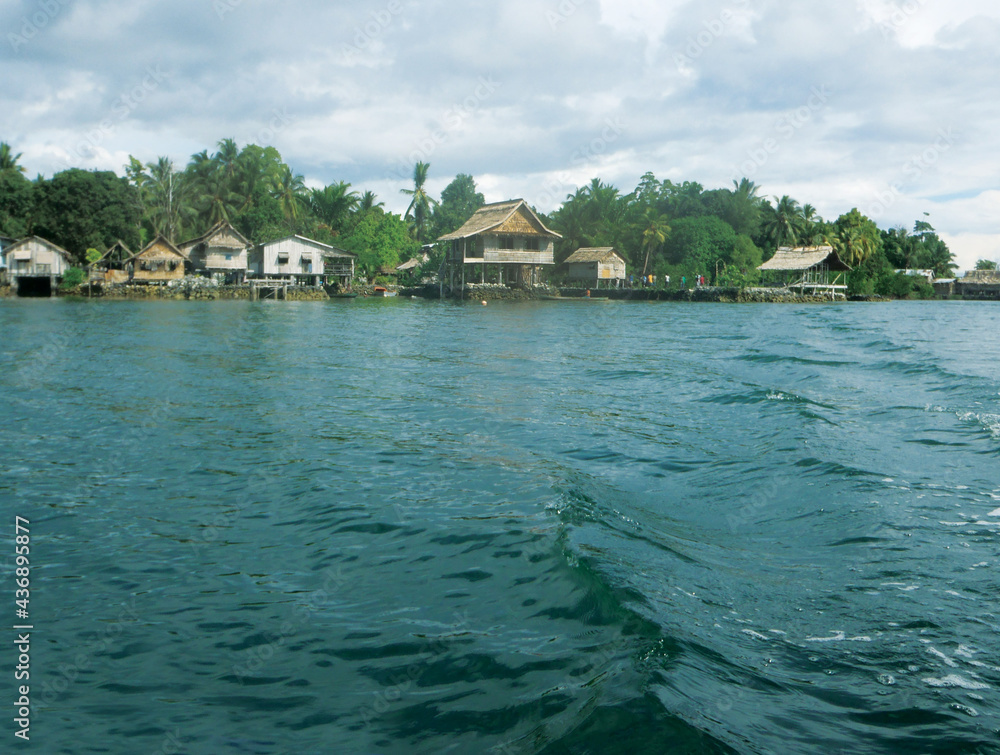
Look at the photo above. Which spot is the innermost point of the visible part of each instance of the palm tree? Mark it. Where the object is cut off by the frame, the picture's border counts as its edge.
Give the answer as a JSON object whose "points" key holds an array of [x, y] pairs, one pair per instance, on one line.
{"points": [[8, 160], [784, 224], [290, 189], [333, 203], [420, 206], [367, 202], [164, 193], [654, 233], [743, 209]]}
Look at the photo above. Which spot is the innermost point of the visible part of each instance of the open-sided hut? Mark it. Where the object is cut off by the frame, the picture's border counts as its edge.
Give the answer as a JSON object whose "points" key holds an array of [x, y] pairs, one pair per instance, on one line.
{"points": [[112, 266], [160, 262], [221, 253], [506, 234], [809, 269], [36, 265], [594, 265], [304, 261]]}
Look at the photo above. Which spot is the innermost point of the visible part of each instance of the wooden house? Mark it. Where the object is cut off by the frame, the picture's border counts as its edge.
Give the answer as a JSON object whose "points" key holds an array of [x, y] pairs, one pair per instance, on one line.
{"points": [[160, 262], [35, 266], [810, 269], [222, 253], [596, 265], [508, 235], [112, 267], [5, 241], [304, 261]]}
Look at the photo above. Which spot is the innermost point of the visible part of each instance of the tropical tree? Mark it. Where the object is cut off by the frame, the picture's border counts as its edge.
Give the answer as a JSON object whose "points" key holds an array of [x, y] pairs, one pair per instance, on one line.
{"points": [[783, 224], [655, 232], [8, 160], [368, 201], [419, 211], [332, 205], [290, 190], [743, 209], [163, 193], [459, 201], [986, 265]]}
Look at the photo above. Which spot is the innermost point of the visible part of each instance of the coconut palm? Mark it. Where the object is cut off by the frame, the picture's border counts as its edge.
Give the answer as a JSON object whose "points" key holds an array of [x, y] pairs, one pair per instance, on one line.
{"points": [[419, 210], [367, 201], [8, 160], [290, 190], [654, 233], [333, 203], [164, 194], [784, 223], [743, 209]]}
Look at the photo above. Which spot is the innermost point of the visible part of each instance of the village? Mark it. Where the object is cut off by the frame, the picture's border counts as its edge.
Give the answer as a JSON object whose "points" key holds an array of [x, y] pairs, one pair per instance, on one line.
{"points": [[503, 251]]}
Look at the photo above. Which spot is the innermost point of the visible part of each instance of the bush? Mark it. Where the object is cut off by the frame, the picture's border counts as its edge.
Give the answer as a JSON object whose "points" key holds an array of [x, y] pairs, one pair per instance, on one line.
{"points": [[73, 278]]}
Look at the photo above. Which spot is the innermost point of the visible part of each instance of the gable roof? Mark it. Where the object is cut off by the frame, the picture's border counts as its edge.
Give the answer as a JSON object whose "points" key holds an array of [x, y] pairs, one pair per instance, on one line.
{"points": [[491, 217], [326, 249], [805, 258], [44, 242], [118, 245], [215, 230], [594, 254], [161, 241]]}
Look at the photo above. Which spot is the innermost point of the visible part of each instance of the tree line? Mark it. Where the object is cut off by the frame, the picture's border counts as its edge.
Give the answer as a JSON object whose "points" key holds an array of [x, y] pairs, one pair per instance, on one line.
{"points": [[662, 228]]}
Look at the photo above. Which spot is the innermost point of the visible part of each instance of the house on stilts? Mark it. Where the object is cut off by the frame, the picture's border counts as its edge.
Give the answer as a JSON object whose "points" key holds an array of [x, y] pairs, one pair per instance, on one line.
{"points": [[221, 254], [159, 263], [816, 270], [504, 243], [595, 265], [36, 266]]}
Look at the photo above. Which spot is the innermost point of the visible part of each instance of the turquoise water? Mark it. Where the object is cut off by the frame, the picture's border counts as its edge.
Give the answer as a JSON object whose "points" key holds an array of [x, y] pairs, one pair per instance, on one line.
{"points": [[413, 527]]}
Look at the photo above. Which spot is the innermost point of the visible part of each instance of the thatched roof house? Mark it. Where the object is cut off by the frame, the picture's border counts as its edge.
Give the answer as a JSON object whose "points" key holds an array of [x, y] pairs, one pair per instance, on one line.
{"points": [[596, 264], [808, 268], [222, 252], [507, 234], [159, 262], [805, 258], [111, 267]]}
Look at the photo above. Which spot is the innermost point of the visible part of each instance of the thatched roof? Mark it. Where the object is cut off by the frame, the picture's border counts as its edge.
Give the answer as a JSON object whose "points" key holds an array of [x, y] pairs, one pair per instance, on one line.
{"points": [[493, 218], [44, 242], [593, 254], [220, 228], [159, 248], [805, 258], [117, 252]]}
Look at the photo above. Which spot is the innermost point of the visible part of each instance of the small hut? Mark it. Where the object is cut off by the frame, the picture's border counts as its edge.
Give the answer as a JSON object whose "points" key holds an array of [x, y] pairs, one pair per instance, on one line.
{"points": [[506, 234], [592, 265], [809, 269], [36, 265], [160, 262], [111, 267], [221, 253]]}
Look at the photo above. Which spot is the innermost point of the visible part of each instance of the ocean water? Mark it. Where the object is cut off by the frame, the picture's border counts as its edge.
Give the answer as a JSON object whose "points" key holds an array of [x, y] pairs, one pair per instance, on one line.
{"points": [[417, 527]]}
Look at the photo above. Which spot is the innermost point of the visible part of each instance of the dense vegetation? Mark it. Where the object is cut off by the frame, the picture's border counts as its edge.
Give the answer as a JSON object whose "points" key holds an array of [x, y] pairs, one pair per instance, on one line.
{"points": [[661, 227]]}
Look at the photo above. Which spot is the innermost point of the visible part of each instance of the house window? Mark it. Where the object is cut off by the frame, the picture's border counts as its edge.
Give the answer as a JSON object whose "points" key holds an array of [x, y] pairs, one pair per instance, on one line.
{"points": [[531, 244], [507, 243], [229, 258], [43, 269], [282, 259]]}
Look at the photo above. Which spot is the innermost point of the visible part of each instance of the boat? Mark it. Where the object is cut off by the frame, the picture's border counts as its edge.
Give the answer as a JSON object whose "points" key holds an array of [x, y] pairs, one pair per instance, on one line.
{"points": [[383, 291]]}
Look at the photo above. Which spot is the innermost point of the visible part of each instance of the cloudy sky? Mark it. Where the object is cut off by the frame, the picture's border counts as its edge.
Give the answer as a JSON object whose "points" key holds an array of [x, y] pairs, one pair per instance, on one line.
{"points": [[887, 106]]}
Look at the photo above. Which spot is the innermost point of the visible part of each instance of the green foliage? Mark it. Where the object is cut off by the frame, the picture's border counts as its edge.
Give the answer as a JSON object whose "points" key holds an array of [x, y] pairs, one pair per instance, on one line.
{"points": [[263, 219], [459, 201], [92, 256], [16, 200], [77, 209], [380, 239], [419, 211], [986, 265], [72, 278]]}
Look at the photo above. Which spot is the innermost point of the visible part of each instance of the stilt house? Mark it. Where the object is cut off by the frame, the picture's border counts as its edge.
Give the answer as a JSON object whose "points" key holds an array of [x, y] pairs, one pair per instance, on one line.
{"points": [[112, 266], [160, 262], [304, 261], [809, 269], [35, 265], [221, 253], [507, 235]]}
